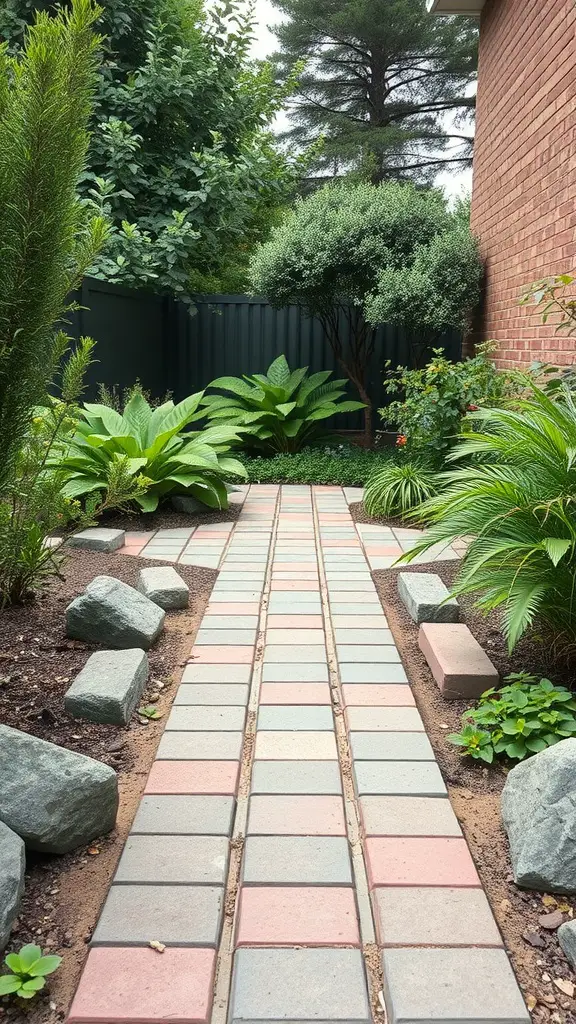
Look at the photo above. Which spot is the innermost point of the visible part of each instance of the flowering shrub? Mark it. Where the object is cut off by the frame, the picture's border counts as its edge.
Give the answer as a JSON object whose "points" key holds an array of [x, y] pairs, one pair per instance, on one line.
{"points": [[435, 399]]}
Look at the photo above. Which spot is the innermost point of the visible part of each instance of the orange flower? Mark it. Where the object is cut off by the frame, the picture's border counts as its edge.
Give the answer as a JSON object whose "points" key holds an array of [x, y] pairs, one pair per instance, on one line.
{"points": [[401, 440]]}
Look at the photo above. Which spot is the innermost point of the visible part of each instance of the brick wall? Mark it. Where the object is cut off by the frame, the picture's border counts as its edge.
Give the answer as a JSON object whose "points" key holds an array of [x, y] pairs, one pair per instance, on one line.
{"points": [[524, 191]]}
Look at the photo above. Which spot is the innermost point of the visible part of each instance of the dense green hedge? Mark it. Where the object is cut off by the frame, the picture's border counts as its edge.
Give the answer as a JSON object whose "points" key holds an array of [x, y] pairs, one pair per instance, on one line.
{"points": [[346, 465]]}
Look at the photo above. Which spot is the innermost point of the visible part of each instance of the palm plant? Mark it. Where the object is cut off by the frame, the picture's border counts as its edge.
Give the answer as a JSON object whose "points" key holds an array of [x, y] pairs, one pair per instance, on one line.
{"points": [[398, 490], [150, 446], [282, 409], [516, 498]]}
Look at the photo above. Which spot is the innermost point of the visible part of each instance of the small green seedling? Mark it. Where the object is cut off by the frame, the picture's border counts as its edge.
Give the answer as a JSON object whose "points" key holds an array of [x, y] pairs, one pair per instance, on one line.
{"points": [[28, 971], [150, 712]]}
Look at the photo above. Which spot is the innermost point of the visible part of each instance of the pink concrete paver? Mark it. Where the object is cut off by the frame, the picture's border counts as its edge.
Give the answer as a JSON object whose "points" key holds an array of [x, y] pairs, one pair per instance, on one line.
{"points": [[123, 985], [217, 777], [294, 585], [291, 915], [233, 608], [376, 695], [222, 655], [420, 861]]}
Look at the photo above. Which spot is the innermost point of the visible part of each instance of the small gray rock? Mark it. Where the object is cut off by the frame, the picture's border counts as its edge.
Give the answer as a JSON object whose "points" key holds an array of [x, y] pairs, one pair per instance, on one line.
{"points": [[426, 598], [164, 586], [186, 503], [12, 865], [112, 613], [53, 798], [98, 539], [567, 939], [539, 814], [108, 687]]}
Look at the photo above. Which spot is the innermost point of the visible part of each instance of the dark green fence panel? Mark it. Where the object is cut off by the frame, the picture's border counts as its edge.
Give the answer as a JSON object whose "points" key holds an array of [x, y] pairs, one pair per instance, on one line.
{"points": [[170, 348]]}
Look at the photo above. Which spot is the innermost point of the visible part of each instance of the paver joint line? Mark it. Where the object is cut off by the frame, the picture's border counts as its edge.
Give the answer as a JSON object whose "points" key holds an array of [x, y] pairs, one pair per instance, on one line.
{"points": [[295, 815]]}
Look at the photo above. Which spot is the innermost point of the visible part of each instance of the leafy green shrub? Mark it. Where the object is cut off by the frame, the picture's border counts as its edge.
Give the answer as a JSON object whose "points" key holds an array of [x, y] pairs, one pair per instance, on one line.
{"points": [[345, 466], [398, 490], [281, 410], [518, 506], [437, 397], [520, 719], [147, 448], [28, 972]]}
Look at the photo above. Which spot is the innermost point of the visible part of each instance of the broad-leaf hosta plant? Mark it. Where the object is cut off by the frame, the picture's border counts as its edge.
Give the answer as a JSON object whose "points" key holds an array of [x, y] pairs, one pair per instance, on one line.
{"points": [[283, 410], [150, 446], [521, 719], [517, 503]]}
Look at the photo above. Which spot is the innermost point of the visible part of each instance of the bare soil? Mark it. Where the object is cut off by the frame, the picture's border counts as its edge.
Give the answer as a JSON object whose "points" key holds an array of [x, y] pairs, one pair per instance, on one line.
{"points": [[64, 894], [475, 794]]}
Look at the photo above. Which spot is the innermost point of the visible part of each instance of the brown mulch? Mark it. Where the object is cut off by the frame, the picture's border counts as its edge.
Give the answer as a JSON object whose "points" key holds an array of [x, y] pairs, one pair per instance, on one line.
{"points": [[475, 793], [166, 518], [64, 894], [360, 515]]}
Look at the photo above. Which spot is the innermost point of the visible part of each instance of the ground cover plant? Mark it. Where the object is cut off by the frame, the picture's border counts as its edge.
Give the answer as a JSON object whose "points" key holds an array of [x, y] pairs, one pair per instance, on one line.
{"points": [[523, 718], [344, 465], [281, 410], [396, 490], [151, 451], [512, 492], [28, 972]]}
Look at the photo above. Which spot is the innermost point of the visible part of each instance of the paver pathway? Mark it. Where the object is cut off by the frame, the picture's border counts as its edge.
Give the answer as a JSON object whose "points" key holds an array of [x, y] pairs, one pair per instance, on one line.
{"points": [[295, 821]]}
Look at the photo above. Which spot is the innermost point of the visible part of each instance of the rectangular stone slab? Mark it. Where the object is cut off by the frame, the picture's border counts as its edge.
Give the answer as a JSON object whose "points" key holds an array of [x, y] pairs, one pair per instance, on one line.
{"points": [[426, 598], [109, 687], [183, 915], [199, 860], [297, 860], [459, 665], [98, 538], [164, 586], [184, 815]]}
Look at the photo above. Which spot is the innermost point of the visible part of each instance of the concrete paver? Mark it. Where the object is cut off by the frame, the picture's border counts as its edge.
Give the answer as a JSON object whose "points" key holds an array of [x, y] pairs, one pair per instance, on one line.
{"points": [[298, 931]]}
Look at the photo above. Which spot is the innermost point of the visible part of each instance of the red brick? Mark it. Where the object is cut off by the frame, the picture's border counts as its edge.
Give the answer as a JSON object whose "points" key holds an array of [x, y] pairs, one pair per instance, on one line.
{"points": [[214, 777], [294, 916], [419, 861]]}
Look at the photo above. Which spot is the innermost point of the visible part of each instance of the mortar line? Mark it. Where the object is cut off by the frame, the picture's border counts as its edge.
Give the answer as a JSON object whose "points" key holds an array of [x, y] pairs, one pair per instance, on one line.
{"points": [[354, 833], [225, 951]]}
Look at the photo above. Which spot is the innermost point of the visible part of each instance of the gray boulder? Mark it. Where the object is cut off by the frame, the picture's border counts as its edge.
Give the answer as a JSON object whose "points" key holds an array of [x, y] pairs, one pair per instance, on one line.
{"points": [[108, 687], [186, 503], [567, 939], [112, 613], [12, 864], [539, 814], [53, 798], [164, 586]]}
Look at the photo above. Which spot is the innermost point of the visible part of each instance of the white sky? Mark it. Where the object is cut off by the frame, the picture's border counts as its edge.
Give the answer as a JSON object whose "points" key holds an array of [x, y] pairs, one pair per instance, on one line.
{"points": [[455, 182]]}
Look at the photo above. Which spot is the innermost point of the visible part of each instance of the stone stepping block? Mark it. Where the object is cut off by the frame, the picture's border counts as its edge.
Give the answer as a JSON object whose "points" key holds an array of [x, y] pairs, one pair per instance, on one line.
{"points": [[383, 673], [408, 816], [398, 778], [138, 986], [191, 860], [163, 586], [98, 539], [69, 798], [297, 860], [297, 746], [456, 660], [12, 867], [112, 613], [429, 986], [419, 860], [426, 598], [308, 985], [184, 815], [292, 777], [109, 687], [183, 915], [291, 815], [296, 718], [200, 746], [193, 777], [419, 916], [391, 746], [384, 719], [289, 915], [189, 694], [212, 718]]}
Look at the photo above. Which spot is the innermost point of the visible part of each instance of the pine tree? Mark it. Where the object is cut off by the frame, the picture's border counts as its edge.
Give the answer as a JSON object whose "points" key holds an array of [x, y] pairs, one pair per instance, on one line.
{"points": [[383, 78]]}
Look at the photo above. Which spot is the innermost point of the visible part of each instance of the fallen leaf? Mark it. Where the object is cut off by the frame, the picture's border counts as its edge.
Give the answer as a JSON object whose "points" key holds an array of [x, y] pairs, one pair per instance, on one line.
{"points": [[531, 1002], [549, 901], [150, 712], [533, 939], [565, 986], [158, 946], [93, 851], [551, 921], [547, 1000], [565, 908]]}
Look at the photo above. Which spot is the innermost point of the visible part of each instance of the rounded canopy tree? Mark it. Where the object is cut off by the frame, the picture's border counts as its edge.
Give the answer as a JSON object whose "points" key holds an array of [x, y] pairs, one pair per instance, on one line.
{"points": [[336, 250]]}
